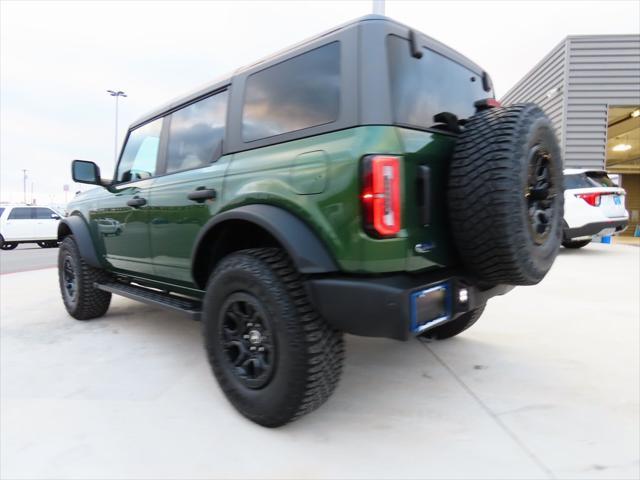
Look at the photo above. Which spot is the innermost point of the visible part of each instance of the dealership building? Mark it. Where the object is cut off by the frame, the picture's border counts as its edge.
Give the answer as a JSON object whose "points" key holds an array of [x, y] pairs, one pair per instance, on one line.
{"points": [[589, 85]]}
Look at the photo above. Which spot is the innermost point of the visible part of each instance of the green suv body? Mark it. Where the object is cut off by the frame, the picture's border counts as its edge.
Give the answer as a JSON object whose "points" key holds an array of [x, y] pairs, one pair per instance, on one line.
{"points": [[324, 171]]}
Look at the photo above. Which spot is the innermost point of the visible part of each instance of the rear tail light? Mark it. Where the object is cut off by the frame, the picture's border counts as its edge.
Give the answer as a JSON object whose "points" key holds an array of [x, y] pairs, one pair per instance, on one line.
{"points": [[380, 195], [592, 199]]}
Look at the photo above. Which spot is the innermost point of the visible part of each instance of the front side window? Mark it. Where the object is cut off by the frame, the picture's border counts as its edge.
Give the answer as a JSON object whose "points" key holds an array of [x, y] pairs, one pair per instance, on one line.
{"points": [[196, 132], [298, 93], [44, 213], [23, 213], [140, 154], [423, 87]]}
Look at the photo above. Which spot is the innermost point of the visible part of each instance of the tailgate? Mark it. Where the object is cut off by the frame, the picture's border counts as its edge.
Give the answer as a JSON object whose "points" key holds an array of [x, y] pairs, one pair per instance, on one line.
{"points": [[612, 204], [426, 157]]}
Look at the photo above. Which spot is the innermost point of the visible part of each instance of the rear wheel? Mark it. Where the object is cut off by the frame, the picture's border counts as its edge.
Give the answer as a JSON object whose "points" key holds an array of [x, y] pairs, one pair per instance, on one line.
{"points": [[505, 195], [81, 298], [575, 243], [275, 358], [455, 327]]}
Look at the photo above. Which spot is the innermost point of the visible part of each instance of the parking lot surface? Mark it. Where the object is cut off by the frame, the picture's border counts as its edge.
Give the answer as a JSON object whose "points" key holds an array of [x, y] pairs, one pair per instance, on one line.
{"points": [[545, 385], [27, 257]]}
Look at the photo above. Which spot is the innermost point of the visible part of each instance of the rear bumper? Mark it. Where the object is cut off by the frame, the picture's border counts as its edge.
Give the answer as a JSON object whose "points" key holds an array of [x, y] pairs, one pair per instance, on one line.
{"points": [[595, 228], [381, 306]]}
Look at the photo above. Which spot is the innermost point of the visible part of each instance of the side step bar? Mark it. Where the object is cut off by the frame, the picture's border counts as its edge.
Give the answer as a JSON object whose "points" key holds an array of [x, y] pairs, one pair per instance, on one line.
{"points": [[153, 297]]}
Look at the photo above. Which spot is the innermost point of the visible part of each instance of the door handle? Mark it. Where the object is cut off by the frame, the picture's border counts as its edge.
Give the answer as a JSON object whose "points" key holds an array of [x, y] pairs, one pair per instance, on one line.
{"points": [[136, 202], [201, 194]]}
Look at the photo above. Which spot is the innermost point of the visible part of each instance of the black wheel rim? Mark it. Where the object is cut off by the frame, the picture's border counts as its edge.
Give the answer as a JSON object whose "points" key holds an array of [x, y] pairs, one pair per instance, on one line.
{"points": [[69, 279], [247, 340], [540, 194]]}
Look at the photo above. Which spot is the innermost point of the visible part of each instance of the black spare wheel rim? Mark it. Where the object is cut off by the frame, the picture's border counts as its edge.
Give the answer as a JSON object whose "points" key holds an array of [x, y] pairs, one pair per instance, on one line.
{"points": [[540, 194], [70, 279], [247, 339]]}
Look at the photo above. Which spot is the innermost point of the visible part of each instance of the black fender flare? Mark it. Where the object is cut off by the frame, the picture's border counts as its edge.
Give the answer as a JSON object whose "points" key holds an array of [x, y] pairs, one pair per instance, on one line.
{"points": [[75, 225], [306, 250]]}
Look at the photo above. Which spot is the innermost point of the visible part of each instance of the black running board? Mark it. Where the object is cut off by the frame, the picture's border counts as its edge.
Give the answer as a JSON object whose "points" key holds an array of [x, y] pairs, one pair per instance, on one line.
{"points": [[167, 301]]}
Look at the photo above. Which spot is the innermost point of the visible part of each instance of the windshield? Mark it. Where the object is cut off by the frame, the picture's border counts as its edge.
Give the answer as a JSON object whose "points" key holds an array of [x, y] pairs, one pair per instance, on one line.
{"points": [[424, 87]]}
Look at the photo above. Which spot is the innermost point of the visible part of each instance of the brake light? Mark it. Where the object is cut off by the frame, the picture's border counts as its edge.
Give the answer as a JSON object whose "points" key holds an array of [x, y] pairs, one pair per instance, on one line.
{"points": [[380, 195], [592, 199]]}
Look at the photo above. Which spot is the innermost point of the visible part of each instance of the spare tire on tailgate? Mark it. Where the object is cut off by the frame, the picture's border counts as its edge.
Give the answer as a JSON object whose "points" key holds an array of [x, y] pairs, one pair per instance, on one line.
{"points": [[505, 195]]}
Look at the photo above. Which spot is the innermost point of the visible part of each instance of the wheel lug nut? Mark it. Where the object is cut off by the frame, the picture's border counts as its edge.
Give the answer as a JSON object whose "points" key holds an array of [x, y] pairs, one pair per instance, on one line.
{"points": [[246, 337], [261, 349], [252, 348], [249, 324]]}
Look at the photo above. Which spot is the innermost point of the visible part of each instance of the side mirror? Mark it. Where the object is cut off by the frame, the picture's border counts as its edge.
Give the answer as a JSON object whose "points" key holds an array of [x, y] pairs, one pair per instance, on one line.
{"points": [[83, 171], [55, 216]]}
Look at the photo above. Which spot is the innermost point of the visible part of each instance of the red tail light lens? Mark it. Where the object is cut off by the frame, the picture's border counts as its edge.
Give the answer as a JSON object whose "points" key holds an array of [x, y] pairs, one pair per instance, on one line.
{"points": [[592, 199], [381, 195]]}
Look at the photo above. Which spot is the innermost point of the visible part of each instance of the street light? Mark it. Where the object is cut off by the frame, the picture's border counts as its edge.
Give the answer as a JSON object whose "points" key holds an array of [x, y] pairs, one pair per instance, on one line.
{"points": [[116, 93]]}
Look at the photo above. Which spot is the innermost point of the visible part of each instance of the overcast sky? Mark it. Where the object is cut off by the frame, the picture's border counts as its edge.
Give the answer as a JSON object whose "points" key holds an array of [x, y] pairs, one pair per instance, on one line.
{"points": [[58, 58]]}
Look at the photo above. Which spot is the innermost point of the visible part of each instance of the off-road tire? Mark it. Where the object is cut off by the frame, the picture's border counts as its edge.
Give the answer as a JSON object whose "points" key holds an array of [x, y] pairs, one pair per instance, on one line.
{"points": [[309, 352], [455, 327], [496, 230], [89, 302], [573, 244]]}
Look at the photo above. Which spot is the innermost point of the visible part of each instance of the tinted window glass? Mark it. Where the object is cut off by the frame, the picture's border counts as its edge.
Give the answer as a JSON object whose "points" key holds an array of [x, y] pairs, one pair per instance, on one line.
{"points": [[44, 213], [20, 214], [579, 180], [196, 132], [298, 93], [1, 211], [424, 87], [140, 153], [601, 179]]}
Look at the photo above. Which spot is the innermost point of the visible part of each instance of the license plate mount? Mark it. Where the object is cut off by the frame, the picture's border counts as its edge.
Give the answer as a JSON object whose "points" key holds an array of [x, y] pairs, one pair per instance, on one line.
{"points": [[430, 307]]}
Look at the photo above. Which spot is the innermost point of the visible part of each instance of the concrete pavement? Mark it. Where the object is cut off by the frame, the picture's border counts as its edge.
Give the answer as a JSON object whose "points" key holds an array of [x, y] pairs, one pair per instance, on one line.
{"points": [[28, 256], [545, 385]]}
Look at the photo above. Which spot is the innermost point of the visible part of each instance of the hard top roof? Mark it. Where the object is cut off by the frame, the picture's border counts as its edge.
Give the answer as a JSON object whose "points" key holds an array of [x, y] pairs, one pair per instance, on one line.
{"points": [[225, 80]]}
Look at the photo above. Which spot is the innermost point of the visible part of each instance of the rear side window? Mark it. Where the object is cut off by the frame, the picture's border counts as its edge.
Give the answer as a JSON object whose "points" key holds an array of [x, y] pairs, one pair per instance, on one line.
{"points": [[196, 132], [1, 211], [298, 93], [424, 87], [140, 153], [579, 180], [20, 213], [43, 213]]}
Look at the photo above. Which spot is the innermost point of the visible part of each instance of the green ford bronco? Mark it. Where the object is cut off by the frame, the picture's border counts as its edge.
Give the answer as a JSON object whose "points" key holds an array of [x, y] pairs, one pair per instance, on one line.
{"points": [[365, 181]]}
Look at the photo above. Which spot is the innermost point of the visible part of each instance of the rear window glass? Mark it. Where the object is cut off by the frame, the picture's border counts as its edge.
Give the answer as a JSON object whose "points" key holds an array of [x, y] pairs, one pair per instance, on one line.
{"points": [[578, 180], [20, 213], [601, 179], [298, 93], [424, 87]]}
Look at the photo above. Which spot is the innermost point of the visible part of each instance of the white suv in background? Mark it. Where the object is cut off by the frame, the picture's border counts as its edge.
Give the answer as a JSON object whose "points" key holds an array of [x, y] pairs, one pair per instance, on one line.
{"points": [[593, 205], [28, 224]]}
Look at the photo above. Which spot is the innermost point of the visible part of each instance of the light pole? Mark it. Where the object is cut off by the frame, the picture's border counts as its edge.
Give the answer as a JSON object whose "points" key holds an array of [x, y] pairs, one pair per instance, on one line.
{"points": [[378, 7], [116, 93], [24, 185]]}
